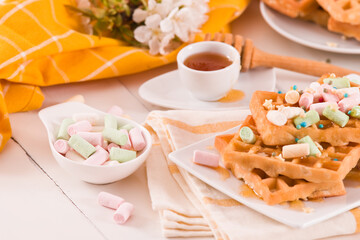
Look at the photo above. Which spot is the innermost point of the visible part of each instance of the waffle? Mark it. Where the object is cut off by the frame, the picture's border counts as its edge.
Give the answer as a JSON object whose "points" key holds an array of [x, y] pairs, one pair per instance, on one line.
{"points": [[332, 166], [318, 16], [292, 8], [331, 133], [346, 29], [274, 190], [345, 11]]}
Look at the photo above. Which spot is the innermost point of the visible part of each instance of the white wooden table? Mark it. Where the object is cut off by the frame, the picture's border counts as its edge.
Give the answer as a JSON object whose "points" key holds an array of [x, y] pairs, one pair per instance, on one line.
{"points": [[39, 200]]}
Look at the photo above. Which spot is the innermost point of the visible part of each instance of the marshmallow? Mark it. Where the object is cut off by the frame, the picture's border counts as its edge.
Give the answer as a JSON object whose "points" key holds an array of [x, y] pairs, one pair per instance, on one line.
{"points": [[355, 112], [310, 118], [109, 200], [338, 82], [61, 146], [80, 145], [355, 78], [128, 127], [350, 91], [336, 116], [121, 155], [116, 110], [306, 100], [93, 118], [137, 139], [111, 145], [110, 121], [98, 158], [63, 132], [314, 85], [111, 163], [206, 158], [94, 138], [247, 135], [115, 136], [81, 126], [295, 150], [328, 93], [276, 117], [348, 103], [314, 150], [97, 129], [319, 107], [292, 97], [128, 144], [124, 211], [73, 155], [291, 112]]}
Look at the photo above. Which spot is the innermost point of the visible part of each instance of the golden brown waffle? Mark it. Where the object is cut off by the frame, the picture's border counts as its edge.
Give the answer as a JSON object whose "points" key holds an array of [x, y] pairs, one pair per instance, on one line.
{"points": [[346, 11], [283, 135], [274, 190], [346, 29], [292, 8], [333, 164], [318, 16]]}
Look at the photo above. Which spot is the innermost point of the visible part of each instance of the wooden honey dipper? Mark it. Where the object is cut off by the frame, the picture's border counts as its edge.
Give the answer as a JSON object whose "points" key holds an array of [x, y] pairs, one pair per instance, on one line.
{"points": [[251, 57]]}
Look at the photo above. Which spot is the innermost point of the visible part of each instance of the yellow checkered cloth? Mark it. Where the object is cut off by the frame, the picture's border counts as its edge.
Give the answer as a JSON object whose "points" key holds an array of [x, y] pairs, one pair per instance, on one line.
{"points": [[41, 44]]}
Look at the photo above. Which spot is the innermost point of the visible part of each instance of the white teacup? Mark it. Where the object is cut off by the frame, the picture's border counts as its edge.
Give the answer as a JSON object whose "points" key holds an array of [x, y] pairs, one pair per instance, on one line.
{"points": [[209, 85]]}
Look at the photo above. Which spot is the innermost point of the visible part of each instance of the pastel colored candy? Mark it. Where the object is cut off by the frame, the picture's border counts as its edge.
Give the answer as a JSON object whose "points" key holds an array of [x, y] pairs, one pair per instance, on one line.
{"points": [[128, 127], [350, 91], [291, 112], [121, 155], [330, 97], [276, 117], [81, 146], [111, 163], [81, 126], [206, 158], [311, 117], [292, 97], [98, 158], [355, 78], [306, 100], [295, 150], [61, 146], [338, 82], [109, 200], [319, 107], [94, 138], [123, 213], [93, 118], [137, 139], [111, 145], [73, 155], [116, 110], [63, 130], [128, 145], [314, 150], [336, 116], [247, 135], [110, 121], [115, 136], [97, 129], [355, 112], [348, 103]]}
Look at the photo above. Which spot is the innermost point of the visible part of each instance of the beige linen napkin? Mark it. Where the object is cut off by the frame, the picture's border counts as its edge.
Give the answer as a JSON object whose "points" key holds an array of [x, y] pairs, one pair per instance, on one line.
{"points": [[190, 208]]}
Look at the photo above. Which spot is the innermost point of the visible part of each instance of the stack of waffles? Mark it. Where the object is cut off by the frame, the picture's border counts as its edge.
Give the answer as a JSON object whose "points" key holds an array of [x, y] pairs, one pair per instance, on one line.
{"points": [[341, 16], [261, 156]]}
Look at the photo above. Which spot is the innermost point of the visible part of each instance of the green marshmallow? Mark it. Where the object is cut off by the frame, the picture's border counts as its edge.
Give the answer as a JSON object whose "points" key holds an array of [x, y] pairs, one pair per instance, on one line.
{"points": [[311, 117], [81, 146], [314, 150], [110, 121], [63, 133], [115, 136], [247, 135], [121, 155], [127, 127], [338, 82], [336, 116], [355, 112]]}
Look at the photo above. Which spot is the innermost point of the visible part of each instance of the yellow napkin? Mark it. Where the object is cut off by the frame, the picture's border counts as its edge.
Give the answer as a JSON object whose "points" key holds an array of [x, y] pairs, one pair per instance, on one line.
{"points": [[40, 46], [227, 218]]}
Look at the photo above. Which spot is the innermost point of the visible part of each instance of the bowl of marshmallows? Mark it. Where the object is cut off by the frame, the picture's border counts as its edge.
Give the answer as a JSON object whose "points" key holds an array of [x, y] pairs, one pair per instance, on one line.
{"points": [[95, 146]]}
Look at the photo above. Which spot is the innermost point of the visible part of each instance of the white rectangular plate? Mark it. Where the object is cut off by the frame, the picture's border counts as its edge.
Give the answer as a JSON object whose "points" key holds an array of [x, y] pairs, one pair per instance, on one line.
{"points": [[323, 210]]}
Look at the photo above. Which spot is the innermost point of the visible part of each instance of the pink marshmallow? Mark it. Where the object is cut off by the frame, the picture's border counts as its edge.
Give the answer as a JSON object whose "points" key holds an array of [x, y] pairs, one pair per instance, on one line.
{"points": [[350, 91], [319, 107], [137, 139], [328, 95], [116, 110], [111, 145], [127, 146], [206, 158], [109, 200], [122, 214], [306, 100], [81, 126], [98, 158], [94, 138], [348, 103], [61, 146], [73, 155]]}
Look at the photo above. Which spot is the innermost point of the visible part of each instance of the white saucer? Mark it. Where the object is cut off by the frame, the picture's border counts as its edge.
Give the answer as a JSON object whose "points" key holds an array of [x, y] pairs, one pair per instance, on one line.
{"points": [[307, 33], [167, 90]]}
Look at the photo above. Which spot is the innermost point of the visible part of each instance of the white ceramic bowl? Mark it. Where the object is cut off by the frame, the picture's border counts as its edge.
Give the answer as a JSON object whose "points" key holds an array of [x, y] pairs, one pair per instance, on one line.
{"points": [[52, 117]]}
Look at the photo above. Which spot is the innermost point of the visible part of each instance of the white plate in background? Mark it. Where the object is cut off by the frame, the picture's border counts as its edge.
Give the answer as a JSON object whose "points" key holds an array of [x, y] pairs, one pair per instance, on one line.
{"points": [[308, 33], [167, 90]]}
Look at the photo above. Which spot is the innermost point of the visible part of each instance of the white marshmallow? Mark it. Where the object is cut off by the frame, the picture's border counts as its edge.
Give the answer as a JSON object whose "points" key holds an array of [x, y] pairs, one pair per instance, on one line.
{"points": [[276, 117]]}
